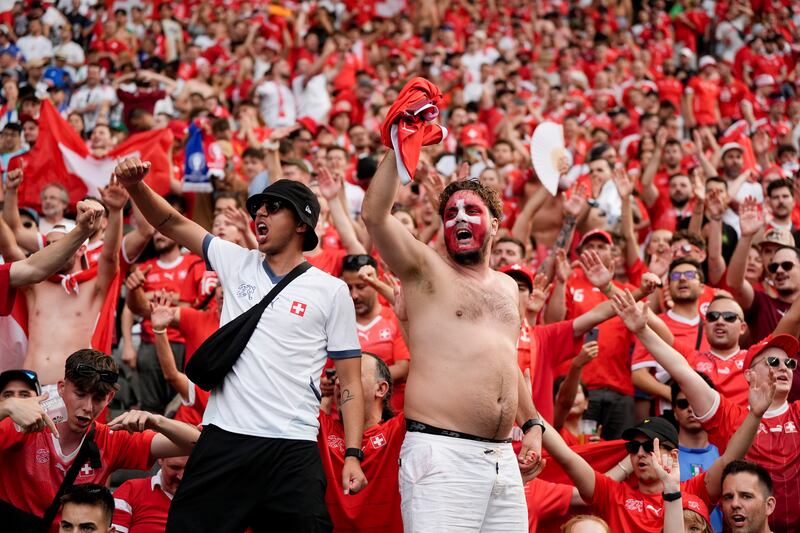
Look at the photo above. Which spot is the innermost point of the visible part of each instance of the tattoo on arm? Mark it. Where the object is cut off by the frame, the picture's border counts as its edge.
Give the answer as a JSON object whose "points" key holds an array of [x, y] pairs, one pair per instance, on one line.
{"points": [[346, 397], [169, 217], [561, 242]]}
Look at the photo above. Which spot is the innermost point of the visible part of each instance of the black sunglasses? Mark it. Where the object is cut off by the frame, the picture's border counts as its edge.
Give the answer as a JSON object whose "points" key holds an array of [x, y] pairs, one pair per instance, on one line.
{"points": [[106, 376], [785, 265], [632, 446], [775, 362], [682, 404], [356, 261], [273, 205], [727, 316]]}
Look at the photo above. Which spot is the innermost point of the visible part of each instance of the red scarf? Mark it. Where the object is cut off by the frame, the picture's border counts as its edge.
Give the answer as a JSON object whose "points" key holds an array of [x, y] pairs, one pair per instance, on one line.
{"points": [[71, 282], [409, 125]]}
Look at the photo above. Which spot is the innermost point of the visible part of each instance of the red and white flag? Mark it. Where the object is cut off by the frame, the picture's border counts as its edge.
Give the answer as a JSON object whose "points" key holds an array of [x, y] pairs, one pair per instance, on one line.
{"points": [[61, 156]]}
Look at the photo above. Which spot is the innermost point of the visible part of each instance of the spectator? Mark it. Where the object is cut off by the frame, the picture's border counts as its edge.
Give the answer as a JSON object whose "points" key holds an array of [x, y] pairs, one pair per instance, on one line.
{"points": [[747, 500], [88, 506], [19, 384]]}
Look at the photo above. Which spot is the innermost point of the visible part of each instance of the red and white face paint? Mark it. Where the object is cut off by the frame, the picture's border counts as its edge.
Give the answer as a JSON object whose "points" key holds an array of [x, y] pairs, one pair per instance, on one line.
{"points": [[465, 227]]}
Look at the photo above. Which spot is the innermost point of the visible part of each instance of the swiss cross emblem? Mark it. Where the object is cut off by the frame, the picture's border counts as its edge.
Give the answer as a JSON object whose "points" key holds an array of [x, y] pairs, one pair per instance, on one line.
{"points": [[385, 334], [378, 440], [298, 308], [87, 470]]}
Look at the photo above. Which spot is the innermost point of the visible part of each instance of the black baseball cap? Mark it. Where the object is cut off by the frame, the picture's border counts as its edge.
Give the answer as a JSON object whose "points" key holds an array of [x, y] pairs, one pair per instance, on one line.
{"points": [[301, 198], [654, 427], [26, 376]]}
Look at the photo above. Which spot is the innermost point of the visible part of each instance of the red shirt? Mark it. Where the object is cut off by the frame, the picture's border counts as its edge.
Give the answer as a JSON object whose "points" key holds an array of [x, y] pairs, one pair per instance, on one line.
{"points": [[192, 411], [33, 466], [7, 294], [328, 260], [726, 374], [542, 349], [626, 510], [141, 506], [705, 94], [196, 326], [664, 215], [377, 507], [612, 367], [730, 99], [548, 504], [168, 277], [383, 337], [776, 447], [684, 331]]}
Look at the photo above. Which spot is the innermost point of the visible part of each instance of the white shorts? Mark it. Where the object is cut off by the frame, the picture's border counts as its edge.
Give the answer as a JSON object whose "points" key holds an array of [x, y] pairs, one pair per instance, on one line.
{"points": [[449, 484]]}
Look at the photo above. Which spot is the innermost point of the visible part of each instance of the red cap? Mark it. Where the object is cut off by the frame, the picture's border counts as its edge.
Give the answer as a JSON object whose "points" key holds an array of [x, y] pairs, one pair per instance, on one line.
{"points": [[785, 342], [308, 123], [692, 502], [518, 271], [178, 128], [472, 135], [596, 234], [342, 106]]}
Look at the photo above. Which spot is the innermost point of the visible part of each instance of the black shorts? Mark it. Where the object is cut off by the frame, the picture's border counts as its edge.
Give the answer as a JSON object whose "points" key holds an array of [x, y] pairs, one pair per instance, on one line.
{"points": [[237, 481]]}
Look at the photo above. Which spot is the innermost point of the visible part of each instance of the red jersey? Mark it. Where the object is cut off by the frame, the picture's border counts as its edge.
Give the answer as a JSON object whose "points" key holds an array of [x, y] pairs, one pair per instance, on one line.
{"points": [[169, 277], [548, 504], [611, 369], [730, 99], [191, 411], [141, 506], [627, 510], [7, 294], [328, 260], [198, 286], [776, 447], [377, 507], [686, 331], [33, 465], [705, 94], [542, 349], [196, 326], [727, 373], [665, 215], [383, 337]]}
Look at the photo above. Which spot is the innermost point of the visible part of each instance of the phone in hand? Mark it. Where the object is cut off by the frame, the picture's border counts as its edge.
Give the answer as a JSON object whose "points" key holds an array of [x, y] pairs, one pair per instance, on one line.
{"points": [[591, 336], [330, 373]]}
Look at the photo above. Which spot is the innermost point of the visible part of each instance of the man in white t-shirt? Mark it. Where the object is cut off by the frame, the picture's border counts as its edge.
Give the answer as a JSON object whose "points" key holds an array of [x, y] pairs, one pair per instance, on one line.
{"points": [[35, 45], [278, 107], [256, 463]]}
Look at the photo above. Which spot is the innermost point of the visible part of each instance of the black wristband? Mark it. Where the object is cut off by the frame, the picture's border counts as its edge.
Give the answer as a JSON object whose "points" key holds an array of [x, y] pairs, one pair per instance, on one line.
{"points": [[671, 496], [532, 422], [354, 452]]}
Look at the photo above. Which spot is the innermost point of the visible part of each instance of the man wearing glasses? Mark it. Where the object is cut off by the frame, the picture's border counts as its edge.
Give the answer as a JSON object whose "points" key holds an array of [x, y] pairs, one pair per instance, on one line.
{"points": [[777, 444], [35, 460]]}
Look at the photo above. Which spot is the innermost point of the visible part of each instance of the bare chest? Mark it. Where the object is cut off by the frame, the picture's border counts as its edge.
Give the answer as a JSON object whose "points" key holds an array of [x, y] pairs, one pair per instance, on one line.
{"points": [[49, 301], [474, 303]]}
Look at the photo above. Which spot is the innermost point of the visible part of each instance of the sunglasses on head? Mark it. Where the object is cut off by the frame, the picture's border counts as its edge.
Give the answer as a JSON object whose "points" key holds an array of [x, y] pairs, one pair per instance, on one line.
{"points": [[785, 265], [727, 316], [682, 404], [775, 362], [632, 446], [689, 275], [106, 376], [356, 261]]}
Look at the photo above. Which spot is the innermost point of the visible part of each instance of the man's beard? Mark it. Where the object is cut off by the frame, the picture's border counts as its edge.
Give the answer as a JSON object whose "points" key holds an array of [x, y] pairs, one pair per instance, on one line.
{"points": [[471, 257], [786, 293], [684, 299], [680, 202]]}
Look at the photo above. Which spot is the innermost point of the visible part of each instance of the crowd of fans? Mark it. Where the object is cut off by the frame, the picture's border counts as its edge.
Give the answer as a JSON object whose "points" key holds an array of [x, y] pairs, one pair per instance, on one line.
{"points": [[681, 121]]}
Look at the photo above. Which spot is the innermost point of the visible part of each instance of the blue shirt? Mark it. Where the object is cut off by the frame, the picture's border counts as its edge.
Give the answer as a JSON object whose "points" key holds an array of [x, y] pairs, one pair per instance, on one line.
{"points": [[695, 461]]}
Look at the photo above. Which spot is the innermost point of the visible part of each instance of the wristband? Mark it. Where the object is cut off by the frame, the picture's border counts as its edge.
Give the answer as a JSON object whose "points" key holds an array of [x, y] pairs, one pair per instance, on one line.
{"points": [[608, 288], [532, 422], [354, 452], [671, 496], [159, 331], [624, 470]]}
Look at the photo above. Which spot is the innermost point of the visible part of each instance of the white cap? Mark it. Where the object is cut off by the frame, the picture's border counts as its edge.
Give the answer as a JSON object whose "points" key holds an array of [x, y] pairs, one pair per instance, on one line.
{"points": [[764, 80], [731, 146], [687, 52], [706, 61]]}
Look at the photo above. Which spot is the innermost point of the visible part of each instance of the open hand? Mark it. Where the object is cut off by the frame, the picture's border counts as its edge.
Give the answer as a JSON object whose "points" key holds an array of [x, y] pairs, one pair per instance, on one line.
{"points": [[539, 293], [329, 184], [623, 182], [596, 272], [762, 392], [633, 315], [133, 421], [575, 204], [161, 311], [751, 219]]}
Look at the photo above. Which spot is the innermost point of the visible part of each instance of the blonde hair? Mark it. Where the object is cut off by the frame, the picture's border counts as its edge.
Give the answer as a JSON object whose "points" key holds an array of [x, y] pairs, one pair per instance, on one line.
{"points": [[692, 518], [575, 520]]}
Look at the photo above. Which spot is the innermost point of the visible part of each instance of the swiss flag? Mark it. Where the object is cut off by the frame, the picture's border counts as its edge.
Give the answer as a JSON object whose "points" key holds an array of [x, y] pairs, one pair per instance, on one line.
{"points": [[61, 156], [298, 308]]}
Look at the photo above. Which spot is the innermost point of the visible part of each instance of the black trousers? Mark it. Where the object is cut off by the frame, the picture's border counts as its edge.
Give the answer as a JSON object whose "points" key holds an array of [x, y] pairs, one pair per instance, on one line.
{"points": [[237, 481]]}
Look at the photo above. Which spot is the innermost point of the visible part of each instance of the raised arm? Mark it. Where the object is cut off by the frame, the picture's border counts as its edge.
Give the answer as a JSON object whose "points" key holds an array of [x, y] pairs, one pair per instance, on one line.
{"points": [[649, 190], [404, 254], [156, 209], [713, 230], [699, 394], [115, 198], [352, 406], [579, 471], [556, 309], [162, 316], [569, 387], [625, 188], [174, 438], [9, 248], [28, 239], [134, 243], [47, 261], [331, 188], [751, 221], [522, 224]]}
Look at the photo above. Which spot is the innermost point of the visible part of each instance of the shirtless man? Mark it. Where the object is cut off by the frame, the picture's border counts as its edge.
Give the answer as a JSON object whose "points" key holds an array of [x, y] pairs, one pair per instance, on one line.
{"points": [[465, 390], [63, 311]]}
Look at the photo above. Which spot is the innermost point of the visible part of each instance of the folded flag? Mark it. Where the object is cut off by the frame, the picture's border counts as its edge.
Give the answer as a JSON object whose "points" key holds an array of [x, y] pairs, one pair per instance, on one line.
{"points": [[409, 125]]}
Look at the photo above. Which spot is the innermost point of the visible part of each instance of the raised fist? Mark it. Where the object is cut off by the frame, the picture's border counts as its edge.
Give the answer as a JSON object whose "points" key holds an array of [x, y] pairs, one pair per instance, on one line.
{"points": [[131, 171], [90, 213]]}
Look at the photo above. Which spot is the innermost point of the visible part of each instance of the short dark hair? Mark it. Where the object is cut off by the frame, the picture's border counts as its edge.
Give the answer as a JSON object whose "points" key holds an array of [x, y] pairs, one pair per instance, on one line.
{"points": [[748, 467], [597, 151], [218, 195], [792, 248], [355, 262], [91, 494], [687, 261], [91, 383], [512, 240], [560, 381], [717, 179], [383, 373], [489, 196], [254, 152], [675, 389], [686, 235], [779, 184]]}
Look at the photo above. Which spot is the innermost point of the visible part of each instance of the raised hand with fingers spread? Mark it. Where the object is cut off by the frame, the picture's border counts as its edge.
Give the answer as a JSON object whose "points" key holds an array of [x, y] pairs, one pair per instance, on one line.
{"points": [[751, 219], [633, 315], [596, 272]]}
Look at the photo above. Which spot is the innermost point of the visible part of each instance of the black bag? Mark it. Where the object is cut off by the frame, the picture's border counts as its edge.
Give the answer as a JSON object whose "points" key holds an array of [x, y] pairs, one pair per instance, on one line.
{"points": [[216, 356], [22, 522]]}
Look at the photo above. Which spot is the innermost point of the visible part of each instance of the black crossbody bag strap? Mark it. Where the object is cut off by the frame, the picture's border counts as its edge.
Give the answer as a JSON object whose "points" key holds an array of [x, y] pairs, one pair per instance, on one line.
{"points": [[88, 451], [699, 340]]}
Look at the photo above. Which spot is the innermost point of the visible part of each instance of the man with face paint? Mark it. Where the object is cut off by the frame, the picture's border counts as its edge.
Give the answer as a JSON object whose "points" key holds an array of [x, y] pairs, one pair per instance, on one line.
{"points": [[465, 390]]}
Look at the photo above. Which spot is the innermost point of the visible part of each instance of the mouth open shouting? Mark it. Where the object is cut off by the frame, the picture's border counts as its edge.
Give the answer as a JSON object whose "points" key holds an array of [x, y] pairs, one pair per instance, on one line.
{"points": [[465, 227]]}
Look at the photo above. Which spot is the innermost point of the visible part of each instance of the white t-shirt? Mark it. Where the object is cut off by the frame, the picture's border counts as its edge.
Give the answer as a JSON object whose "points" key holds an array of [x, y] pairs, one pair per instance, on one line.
{"points": [[277, 104], [34, 48], [312, 99], [91, 95], [273, 389]]}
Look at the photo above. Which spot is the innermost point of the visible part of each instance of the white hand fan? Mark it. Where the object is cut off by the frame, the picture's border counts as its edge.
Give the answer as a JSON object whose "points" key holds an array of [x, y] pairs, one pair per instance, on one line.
{"points": [[547, 149]]}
